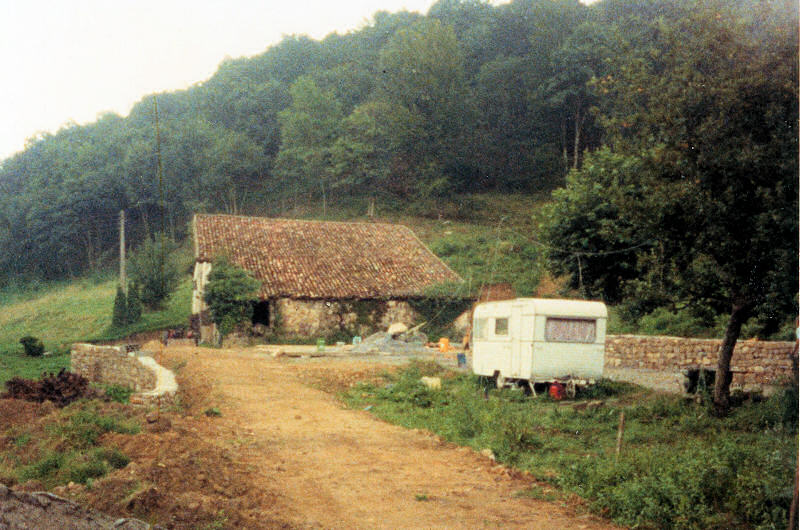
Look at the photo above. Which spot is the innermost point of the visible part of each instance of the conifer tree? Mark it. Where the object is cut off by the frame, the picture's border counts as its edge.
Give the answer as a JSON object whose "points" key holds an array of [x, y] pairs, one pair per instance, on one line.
{"points": [[134, 305], [119, 317]]}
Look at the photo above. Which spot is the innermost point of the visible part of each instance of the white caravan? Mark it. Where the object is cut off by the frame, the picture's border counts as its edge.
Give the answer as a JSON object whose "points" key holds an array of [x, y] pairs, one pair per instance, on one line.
{"points": [[539, 340]]}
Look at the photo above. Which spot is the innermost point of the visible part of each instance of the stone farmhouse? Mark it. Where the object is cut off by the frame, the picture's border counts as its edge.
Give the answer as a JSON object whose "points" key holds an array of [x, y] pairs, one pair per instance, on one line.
{"points": [[318, 278]]}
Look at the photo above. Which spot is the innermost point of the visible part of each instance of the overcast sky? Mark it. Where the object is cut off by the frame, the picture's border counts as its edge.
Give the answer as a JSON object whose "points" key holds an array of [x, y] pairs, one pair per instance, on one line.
{"points": [[70, 60]]}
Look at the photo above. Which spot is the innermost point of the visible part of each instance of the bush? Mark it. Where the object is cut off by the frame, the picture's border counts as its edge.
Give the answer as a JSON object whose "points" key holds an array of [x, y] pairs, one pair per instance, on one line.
{"points": [[33, 347], [119, 316], [82, 472], [42, 468], [779, 412], [155, 271], [116, 458], [61, 389], [229, 295], [134, 305]]}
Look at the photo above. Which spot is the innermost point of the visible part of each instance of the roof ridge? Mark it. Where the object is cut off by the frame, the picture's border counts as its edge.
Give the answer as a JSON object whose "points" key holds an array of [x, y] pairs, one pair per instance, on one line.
{"points": [[367, 223], [318, 259]]}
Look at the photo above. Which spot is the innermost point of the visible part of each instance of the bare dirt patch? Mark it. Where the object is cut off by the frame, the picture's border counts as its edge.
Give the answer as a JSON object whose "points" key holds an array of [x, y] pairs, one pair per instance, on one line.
{"points": [[279, 451], [335, 468]]}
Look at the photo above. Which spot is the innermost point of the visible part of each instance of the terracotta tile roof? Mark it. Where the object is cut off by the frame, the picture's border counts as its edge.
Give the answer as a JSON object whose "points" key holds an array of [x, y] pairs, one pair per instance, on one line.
{"points": [[321, 259]]}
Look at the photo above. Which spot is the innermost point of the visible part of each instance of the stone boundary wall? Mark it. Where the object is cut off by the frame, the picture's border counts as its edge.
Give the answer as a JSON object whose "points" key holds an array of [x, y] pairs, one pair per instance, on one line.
{"points": [[754, 362], [112, 365]]}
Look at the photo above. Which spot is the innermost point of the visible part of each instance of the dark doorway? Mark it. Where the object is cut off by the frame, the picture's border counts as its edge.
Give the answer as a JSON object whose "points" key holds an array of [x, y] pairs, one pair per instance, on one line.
{"points": [[261, 313]]}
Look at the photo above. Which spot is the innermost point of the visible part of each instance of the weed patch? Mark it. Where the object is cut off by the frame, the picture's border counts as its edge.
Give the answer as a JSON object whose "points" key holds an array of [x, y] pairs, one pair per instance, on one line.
{"points": [[118, 393], [64, 445], [679, 467]]}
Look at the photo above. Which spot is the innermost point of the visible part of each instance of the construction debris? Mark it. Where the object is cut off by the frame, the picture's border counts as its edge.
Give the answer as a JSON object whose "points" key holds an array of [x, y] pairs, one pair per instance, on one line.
{"points": [[434, 383], [411, 341]]}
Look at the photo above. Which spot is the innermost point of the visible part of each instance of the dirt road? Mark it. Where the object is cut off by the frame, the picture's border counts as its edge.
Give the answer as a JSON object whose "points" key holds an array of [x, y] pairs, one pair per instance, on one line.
{"points": [[335, 468]]}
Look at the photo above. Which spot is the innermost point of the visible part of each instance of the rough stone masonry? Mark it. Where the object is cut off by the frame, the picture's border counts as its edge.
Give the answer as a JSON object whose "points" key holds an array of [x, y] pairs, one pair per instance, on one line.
{"points": [[114, 365], [754, 362]]}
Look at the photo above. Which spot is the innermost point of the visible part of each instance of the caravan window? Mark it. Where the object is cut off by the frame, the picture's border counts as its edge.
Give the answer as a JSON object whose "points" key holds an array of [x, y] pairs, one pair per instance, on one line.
{"points": [[570, 330], [480, 329], [501, 326]]}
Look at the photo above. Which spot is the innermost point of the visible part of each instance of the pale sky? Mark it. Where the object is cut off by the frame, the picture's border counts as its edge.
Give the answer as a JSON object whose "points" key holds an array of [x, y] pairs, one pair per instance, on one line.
{"points": [[71, 60]]}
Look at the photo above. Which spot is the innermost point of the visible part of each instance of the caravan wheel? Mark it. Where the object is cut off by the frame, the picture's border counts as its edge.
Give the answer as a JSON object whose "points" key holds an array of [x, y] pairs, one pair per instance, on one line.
{"points": [[501, 381]]}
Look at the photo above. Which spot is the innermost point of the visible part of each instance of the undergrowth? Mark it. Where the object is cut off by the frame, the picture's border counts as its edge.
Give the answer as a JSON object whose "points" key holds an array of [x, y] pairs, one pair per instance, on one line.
{"points": [[65, 446], [679, 467]]}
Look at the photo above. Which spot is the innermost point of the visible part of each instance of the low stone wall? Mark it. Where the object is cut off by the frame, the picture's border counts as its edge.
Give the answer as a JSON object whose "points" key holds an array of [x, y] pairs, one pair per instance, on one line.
{"points": [[112, 365], [753, 363]]}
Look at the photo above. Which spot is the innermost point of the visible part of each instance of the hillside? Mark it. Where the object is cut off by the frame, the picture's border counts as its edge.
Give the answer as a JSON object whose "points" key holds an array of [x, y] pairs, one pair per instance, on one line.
{"points": [[468, 98], [495, 246], [66, 312]]}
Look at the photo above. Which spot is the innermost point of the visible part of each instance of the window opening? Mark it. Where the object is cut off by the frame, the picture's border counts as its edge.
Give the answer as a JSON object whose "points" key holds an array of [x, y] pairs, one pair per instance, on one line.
{"points": [[570, 330], [501, 326]]}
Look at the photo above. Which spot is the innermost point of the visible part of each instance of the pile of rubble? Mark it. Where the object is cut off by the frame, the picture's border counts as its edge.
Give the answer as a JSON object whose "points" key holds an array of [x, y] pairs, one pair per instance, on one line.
{"points": [[397, 339]]}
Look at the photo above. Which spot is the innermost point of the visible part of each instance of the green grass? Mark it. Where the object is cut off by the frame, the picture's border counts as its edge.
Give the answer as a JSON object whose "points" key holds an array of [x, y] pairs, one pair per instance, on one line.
{"points": [[62, 313], [66, 445], [679, 467]]}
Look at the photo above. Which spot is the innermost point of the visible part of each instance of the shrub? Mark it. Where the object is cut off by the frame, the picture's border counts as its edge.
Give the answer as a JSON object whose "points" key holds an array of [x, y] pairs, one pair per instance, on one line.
{"points": [[155, 271], [61, 389], [82, 472], [116, 458], [32, 346], [780, 411], [42, 468], [119, 317], [134, 305], [229, 295]]}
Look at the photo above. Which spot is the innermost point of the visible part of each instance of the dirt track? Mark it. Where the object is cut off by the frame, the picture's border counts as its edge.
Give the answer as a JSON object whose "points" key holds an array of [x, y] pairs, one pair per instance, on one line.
{"points": [[335, 468]]}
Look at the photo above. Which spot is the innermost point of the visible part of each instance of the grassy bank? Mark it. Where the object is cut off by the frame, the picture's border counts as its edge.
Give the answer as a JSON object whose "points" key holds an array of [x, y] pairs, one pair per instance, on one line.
{"points": [[63, 313], [678, 468], [65, 446]]}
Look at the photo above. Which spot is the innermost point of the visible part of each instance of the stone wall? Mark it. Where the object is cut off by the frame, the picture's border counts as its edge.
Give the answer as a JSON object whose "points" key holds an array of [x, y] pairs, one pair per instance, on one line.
{"points": [[754, 362], [112, 365], [318, 318]]}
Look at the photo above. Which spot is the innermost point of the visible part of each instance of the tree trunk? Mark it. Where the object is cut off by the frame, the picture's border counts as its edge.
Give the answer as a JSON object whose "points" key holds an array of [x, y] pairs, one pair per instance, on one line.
{"points": [[564, 145], [722, 383]]}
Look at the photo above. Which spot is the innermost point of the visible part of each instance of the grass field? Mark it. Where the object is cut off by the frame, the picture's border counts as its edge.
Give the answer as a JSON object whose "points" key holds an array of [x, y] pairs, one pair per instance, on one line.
{"points": [[63, 313], [679, 467]]}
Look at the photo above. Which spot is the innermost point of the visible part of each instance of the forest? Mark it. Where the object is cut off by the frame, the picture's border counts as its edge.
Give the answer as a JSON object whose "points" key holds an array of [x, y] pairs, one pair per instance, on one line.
{"points": [[681, 115]]}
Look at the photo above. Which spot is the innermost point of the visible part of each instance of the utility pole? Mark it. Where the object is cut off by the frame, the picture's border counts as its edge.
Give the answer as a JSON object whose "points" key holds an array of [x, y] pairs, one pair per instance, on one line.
{"points": [[123, 281]]}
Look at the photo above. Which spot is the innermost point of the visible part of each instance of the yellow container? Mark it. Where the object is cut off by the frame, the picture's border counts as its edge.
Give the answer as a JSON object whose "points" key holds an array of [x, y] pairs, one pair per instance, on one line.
{"points": [[444, 344]]}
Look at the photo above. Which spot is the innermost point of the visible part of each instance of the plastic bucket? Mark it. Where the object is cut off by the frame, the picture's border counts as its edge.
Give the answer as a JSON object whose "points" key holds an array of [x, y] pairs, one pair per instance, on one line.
{"points": [[444, 344]]}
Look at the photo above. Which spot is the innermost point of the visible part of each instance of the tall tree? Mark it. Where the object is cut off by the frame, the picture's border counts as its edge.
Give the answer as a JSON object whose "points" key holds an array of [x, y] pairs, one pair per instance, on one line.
{"points": [[309, 128], [710, 110], [423, 79]]}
